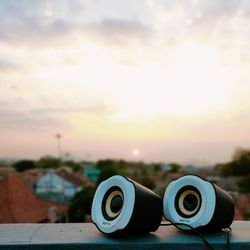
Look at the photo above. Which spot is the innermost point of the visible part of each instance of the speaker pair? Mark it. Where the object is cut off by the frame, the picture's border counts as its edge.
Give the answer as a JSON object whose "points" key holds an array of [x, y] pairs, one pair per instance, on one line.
{"points": [[122, 205]]}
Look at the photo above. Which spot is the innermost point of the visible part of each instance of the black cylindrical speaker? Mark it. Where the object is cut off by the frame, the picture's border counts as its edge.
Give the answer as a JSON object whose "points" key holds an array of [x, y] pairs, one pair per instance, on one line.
{"points": [[123, 205], [198, 203]]}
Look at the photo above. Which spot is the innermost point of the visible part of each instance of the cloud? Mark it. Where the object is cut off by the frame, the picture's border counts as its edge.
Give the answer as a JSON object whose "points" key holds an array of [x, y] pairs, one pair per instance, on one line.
{"points": [[214, 9], [95, 110], [219, 16], [21, 117], [4, 103], [29, 32], [60, 32], [37, 24], [8, 66], [197, 19], [28, 23], [17, 119], [58, 23], [118, 32]]}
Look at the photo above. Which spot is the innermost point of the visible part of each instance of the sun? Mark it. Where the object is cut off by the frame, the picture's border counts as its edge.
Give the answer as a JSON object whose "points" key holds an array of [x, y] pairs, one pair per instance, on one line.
{"points": [[136, 152]]}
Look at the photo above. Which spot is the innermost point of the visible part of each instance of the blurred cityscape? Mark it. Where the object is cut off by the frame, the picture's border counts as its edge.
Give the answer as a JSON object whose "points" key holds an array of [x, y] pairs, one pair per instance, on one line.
{"points": [[61, 190]]}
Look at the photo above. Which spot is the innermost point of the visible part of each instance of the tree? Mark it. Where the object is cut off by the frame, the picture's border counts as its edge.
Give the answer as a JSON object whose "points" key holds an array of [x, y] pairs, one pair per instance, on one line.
{"points": [[157, 167], [74, 165], [239, 166], [225, 169], [107, 172], [23, 165], [174, 167], [48, 162], [80, 204], [244, 184], [108, 168], [241, 162], [105, 163]]}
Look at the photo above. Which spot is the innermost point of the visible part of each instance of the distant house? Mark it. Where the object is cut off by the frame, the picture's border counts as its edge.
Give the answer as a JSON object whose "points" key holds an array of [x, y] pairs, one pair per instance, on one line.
{"points": [[165, 167], [18, 204], [91, 172], [31, 176], [60, 185]]}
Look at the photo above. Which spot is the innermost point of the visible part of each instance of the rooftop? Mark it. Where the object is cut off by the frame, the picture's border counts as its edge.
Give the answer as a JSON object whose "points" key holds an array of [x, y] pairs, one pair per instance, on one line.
{"points": [[18, 204]]}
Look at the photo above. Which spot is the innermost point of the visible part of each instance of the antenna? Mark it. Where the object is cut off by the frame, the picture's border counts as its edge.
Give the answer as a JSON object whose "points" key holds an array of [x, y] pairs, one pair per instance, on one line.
{"points": [[58, 137]]}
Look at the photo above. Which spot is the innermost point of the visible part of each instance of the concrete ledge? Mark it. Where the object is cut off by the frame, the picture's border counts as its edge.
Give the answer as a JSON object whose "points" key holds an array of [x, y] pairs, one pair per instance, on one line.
{"points": [[86, 236]]}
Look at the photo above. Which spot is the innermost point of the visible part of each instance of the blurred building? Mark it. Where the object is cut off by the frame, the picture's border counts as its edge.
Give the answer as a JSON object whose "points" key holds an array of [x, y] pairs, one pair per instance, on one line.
{"points": [[60, 185], [18, 204], [91, 172]]}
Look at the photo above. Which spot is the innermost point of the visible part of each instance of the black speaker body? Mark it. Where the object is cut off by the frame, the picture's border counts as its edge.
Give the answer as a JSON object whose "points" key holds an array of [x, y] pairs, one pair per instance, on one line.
{"points": [[139, 212], [198, 203], [224, 210]]}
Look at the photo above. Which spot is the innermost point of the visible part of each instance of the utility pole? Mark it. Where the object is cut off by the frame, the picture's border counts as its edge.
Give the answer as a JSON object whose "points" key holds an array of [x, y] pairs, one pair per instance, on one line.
{"points": [[59, 148], [58, 137]]}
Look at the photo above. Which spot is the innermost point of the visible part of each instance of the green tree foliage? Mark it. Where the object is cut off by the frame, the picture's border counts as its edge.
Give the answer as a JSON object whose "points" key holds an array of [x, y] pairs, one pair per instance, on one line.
{"points": [[244, 184], [80, 204], [23, 165], [72, 164], [109, 168], [48, 162], [105, 163], [174, 167], [108, 171], [224, 168], [239, 166], [156, 167]]}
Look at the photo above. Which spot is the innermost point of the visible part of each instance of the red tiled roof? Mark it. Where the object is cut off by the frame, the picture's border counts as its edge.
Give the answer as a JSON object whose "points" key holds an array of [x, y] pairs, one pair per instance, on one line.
{"points": [[19, 205], [77, 178], [32, 175]]}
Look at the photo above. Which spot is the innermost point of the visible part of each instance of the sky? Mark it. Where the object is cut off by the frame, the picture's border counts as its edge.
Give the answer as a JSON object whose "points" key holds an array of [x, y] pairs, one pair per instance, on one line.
{"points": [[161, 81]]}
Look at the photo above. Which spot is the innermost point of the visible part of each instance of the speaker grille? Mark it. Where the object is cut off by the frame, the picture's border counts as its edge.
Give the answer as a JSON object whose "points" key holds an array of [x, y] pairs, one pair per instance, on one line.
{"points": [[112, 203], [188, 201]]}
